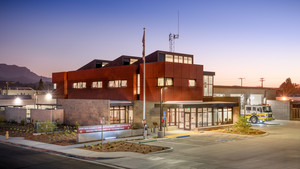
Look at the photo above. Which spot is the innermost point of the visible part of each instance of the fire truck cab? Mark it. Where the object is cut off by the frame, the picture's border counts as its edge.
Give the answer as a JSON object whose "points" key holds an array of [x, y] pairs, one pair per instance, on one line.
{"points": [[258, 113]]}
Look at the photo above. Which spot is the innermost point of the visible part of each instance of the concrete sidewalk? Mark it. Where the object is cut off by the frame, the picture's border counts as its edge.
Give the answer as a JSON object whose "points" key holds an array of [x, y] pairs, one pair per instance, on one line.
{"points": [[75, 150]]}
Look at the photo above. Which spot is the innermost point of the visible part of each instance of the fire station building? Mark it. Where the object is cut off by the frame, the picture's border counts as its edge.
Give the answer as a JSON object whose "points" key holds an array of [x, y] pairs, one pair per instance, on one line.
{"points": [[114, 90]]}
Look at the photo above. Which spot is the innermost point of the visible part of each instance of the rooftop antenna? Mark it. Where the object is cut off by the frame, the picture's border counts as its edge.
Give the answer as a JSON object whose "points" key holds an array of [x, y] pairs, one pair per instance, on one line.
{"points": [[172, 38]]}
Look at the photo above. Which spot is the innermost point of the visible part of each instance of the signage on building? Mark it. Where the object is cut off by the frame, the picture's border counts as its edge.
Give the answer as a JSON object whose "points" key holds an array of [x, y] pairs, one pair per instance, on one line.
{"points": [[98, 128]]}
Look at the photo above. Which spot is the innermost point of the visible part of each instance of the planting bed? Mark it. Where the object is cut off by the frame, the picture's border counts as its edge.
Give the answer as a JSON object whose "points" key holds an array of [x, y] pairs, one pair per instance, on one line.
{"points": [[251, 131], [122, 146]]}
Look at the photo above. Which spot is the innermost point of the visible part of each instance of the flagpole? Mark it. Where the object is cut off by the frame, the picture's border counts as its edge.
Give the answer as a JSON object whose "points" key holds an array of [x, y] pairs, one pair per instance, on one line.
{"points": [[144, 91]]}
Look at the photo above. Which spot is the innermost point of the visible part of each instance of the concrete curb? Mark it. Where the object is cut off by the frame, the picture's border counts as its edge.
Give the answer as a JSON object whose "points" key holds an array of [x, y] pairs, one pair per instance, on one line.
{"points": [[77, 157]]}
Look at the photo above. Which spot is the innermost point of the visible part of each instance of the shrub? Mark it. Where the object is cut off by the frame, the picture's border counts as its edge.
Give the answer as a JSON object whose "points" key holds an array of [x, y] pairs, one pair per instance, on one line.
{"points": [[23, 122], [77, 125], [44, 127], [92, 146], [2, 118], [241, 125]]}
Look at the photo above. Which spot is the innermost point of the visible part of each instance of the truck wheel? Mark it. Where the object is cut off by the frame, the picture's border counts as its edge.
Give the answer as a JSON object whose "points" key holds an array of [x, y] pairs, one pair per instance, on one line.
{"points": [[253, 119]]}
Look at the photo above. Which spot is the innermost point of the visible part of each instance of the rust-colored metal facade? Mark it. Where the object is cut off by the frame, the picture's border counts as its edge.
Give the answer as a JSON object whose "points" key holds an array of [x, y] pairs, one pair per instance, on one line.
{"points": [[180, 91]]}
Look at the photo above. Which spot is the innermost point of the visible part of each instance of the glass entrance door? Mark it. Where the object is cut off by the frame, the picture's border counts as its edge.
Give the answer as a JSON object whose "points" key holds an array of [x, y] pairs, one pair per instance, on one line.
{"points": [[187, 121]]}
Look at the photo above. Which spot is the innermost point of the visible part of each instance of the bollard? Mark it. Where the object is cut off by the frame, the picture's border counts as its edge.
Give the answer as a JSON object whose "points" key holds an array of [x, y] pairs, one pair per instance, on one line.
{"points": [[6, 135]]}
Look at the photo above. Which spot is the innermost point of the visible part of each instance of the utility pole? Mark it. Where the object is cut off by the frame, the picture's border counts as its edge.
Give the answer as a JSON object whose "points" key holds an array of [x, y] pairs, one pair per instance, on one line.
{"points": [[241, 78], [262, 81]]}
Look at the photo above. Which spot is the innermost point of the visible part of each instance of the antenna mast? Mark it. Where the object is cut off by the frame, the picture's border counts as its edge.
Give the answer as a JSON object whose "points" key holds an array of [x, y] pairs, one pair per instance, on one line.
{"points": [[172, 38]]}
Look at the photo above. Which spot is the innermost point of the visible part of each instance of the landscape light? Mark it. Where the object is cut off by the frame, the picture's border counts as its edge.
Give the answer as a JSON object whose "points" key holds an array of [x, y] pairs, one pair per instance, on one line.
{"points": [[48, 96]]}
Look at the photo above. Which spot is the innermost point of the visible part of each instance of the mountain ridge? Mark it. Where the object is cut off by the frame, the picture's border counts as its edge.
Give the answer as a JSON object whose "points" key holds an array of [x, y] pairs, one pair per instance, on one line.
{"points": [[20, 74]]}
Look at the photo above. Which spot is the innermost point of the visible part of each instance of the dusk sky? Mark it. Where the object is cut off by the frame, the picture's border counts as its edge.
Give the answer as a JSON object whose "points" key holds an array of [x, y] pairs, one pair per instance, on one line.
{"points": [[234, 38]]}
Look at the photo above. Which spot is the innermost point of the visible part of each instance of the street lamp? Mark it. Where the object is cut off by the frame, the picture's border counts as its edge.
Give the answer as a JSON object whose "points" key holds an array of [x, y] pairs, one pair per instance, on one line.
{"points": [[160, 132]]}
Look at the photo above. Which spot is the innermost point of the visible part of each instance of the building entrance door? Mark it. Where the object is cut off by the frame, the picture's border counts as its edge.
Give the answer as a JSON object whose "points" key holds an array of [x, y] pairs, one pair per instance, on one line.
{"points": [[187, 121]]}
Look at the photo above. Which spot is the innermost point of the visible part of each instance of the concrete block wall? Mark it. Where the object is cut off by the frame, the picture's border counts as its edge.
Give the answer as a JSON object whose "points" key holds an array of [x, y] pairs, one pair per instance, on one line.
{"points": [[280, 109], [47, 115], [84, 111], [16, 114]]}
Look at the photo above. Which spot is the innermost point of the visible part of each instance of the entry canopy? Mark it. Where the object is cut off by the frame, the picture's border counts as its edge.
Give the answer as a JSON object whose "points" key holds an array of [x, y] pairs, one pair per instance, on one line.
{"points": [[201, 103], [121, 103]]}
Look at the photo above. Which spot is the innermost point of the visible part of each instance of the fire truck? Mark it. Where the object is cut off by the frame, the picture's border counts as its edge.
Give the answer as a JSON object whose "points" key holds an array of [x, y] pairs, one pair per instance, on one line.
{"points": [[258, 113]]}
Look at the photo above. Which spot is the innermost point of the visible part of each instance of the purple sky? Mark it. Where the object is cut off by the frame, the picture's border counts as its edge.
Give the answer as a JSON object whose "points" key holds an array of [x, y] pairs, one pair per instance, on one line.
{"points": [[234, 38]]}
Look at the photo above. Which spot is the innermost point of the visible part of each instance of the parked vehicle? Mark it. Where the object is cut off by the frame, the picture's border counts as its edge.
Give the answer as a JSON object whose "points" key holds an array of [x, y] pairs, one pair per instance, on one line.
{"points": [[258, 113]]}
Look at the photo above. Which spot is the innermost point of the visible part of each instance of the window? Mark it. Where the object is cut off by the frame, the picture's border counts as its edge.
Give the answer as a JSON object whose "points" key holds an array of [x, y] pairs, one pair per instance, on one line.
{"points": [[133, 60], [175, 59], [117, 83], [167, 81], [79, 85], [161, 57], [160, 81], [138, 85], [185, 60], [104, 63], [180, 59], [190, 60], [75, 85], [208, 85], [169, 58], [126, 61], [97, 84], [118, 115], [192, 83], [54, 86]]}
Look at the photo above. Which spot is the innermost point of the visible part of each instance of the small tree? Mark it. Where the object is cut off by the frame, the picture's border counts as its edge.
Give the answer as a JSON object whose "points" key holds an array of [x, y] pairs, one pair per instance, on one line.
{"points": [[241, 125], [41, 85]]}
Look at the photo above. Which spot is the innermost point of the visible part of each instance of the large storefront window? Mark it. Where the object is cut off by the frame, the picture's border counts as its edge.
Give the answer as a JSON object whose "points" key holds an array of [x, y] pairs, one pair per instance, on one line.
{"points": [[208, 85], [121, 114]]}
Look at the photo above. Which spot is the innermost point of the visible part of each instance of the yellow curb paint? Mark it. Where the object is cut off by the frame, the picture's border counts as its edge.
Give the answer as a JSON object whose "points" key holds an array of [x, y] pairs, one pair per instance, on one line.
{"points": [[176, 135]]}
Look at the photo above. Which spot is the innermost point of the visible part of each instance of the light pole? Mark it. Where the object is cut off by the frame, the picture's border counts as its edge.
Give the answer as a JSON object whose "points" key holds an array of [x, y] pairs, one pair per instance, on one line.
{"points": [[160, 132]]}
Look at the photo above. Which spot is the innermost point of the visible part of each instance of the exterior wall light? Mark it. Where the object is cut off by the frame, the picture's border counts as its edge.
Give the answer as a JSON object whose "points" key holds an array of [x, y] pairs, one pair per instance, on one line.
{"points": [[18, 101], [48, 96]]}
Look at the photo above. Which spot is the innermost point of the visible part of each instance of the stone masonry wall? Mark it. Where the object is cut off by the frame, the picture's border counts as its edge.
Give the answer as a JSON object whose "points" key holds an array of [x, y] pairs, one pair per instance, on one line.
{"points": [[152, 113], [84, 111]]}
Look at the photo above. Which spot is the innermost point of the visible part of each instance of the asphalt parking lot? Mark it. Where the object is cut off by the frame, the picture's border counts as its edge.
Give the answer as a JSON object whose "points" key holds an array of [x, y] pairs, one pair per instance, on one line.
{"points": [[280, 148]]}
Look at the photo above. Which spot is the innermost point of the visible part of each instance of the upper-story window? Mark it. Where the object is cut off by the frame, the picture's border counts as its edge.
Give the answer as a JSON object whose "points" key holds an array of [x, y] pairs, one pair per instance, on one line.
{"points": [[54, 86], [117, 83], [169, 58], [164, 81], [79, 85], [132, 61], [208, 85], [175, 58], [192, 83], [97, 84]]}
